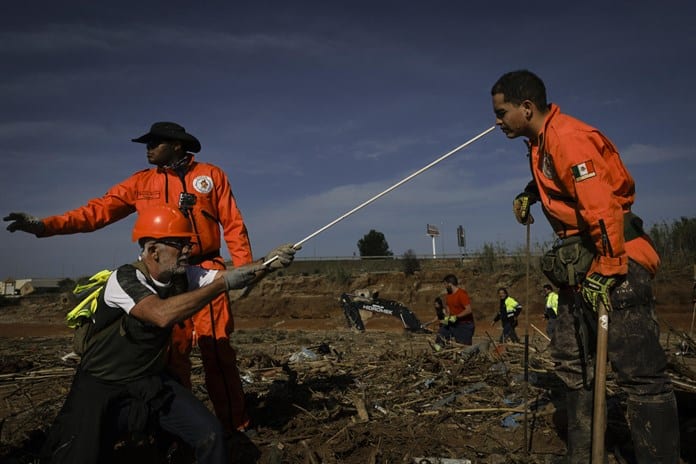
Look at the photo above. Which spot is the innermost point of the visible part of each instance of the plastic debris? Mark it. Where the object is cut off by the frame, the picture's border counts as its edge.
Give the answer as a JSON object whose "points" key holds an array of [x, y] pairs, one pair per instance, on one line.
{"points": [[380, 409], [305, 354], [432, 460], [71, 355], [499, 367], [511, 402], [510, 422], [462, 391]]}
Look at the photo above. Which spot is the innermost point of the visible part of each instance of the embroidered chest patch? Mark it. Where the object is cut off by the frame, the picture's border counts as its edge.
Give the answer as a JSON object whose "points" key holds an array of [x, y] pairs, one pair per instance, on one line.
{"points": [[583, 171], [203, 184], [547, 166], [147, 194]]}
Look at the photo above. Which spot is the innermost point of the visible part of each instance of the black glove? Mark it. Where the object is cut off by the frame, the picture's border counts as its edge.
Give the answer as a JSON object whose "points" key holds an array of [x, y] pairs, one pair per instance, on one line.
{"points": [[25, 222], [496, 318]]}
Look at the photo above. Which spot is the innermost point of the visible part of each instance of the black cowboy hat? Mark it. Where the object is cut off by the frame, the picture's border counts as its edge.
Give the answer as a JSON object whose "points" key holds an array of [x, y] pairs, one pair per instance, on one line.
{"points": [[171, 131]]}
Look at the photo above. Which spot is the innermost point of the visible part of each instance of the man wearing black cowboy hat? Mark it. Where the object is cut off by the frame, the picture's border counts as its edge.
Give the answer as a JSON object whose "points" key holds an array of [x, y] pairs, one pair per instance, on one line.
{"points": [[160, 131], [202, 192]]}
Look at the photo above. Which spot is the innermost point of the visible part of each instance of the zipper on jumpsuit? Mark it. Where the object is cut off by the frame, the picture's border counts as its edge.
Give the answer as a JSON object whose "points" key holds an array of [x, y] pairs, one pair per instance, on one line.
{"points": [[211, 313]]}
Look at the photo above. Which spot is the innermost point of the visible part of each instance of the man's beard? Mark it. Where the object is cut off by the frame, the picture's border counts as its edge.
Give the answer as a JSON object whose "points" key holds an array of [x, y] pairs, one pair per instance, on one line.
{"points": [[449, 290]]}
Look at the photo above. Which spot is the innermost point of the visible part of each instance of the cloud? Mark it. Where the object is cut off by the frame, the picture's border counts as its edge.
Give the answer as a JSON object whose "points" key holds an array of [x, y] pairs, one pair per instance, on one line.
{"points": [[55, 129], [73, 37], [447, 196], [638, 153]]}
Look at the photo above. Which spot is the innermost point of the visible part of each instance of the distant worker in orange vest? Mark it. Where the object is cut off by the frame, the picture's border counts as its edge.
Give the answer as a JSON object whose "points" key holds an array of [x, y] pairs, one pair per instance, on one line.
{"points": [[458, 322]]}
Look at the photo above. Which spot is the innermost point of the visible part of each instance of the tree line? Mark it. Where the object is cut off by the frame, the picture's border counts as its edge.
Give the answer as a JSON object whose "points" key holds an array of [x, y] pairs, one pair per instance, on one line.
{"points": [[676, 242]]}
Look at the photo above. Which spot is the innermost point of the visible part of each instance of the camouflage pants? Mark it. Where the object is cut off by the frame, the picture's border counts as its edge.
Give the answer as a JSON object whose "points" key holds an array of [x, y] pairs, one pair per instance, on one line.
{"points": [[634, 350]]}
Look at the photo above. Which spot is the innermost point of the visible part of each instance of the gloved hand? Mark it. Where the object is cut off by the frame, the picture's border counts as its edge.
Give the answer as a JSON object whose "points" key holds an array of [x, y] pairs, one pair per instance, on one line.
{"points": [[24, 222], [240, 277], [496, 318], [595, 288], [521, 205], [285, 254]]}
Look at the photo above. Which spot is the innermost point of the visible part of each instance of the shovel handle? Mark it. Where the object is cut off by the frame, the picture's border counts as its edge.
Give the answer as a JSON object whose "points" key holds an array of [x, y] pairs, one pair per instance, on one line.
{"points": [[599, 416]]}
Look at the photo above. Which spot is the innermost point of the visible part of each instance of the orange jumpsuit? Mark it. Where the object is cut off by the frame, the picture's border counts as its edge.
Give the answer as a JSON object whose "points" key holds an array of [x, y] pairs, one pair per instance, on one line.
{"points": [[576, 169], [214, 206]]}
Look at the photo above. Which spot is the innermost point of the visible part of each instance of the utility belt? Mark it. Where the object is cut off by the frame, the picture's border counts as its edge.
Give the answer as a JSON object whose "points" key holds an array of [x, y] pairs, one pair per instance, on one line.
{"points": [[570, 258], [212, 256], [568, 261]]}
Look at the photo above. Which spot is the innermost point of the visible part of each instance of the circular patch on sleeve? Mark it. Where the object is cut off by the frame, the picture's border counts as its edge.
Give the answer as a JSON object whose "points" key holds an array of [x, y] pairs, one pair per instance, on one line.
{"points": [[547, 166], [203, 184]]}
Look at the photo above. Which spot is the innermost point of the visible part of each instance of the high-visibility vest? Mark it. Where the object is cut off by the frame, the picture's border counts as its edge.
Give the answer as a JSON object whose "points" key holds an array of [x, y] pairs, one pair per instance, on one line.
{"points": [[88, 294], [512, 307], [552, 302]]}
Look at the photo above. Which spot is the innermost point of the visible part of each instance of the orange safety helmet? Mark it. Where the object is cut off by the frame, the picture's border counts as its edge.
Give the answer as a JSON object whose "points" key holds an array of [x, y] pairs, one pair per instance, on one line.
{"points": [[161, 221]]}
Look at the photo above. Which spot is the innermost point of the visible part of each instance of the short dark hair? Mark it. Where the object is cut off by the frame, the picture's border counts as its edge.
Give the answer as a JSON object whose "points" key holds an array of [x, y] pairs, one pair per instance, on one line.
{"points": [[503, 289], [518, 86], [451, 279], [548, 287]]}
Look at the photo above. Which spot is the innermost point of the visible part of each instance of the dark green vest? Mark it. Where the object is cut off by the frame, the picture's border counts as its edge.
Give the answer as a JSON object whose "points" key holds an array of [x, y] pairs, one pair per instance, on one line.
{"points": [[120, 348]]}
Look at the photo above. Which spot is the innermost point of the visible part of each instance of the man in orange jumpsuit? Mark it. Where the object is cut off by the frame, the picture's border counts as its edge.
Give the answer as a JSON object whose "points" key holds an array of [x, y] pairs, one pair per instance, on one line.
{"points": [[604, 255], [202, 192]]}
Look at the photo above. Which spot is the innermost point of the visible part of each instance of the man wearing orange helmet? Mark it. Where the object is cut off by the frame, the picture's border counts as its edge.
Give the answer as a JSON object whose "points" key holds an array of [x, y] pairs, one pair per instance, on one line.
{"points": [[202, 192], [122, 383]]}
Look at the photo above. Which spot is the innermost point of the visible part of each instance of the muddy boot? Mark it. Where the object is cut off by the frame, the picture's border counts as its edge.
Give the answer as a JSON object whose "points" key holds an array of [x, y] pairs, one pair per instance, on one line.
{"points": [[654, 428], [579, 410]]}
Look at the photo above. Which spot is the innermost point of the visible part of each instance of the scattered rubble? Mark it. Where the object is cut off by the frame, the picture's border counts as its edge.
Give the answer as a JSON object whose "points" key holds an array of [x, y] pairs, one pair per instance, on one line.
{"points": [[345, 397]]}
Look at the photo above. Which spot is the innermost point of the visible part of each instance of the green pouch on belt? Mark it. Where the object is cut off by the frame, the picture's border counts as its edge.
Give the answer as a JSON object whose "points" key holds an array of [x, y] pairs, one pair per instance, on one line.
{"points": [[568, 261]]}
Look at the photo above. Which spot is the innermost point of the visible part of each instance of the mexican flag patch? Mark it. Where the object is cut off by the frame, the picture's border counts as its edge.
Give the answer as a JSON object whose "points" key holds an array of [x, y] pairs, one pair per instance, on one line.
{"points": [[583, 171]]}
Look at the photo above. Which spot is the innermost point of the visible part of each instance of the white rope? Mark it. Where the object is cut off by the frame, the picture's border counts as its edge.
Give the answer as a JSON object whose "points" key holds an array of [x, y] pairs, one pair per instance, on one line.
{"points": [[398, 184]]}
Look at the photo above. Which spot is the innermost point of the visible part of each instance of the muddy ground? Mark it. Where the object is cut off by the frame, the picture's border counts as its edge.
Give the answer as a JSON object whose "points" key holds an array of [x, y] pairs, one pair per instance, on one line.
{"points": [[321, 393]]}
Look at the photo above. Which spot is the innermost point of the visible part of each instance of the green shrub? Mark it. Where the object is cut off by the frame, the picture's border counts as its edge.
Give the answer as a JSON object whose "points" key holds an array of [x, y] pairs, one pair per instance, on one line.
{"points": [[410, 263], [338, 274]]}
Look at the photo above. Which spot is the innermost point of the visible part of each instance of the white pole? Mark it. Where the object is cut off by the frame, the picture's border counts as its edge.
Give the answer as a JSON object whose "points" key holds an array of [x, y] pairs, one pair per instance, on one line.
{"points": [[398, 184], [434, 254]]}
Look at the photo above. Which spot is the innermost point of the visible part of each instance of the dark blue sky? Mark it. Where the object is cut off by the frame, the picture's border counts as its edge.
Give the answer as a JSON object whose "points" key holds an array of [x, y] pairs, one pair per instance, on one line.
{"points": [[314, 107]]}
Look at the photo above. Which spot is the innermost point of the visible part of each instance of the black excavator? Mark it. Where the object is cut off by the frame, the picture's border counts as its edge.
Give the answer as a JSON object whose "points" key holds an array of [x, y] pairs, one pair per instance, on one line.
{"points": [[363, 300]]}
